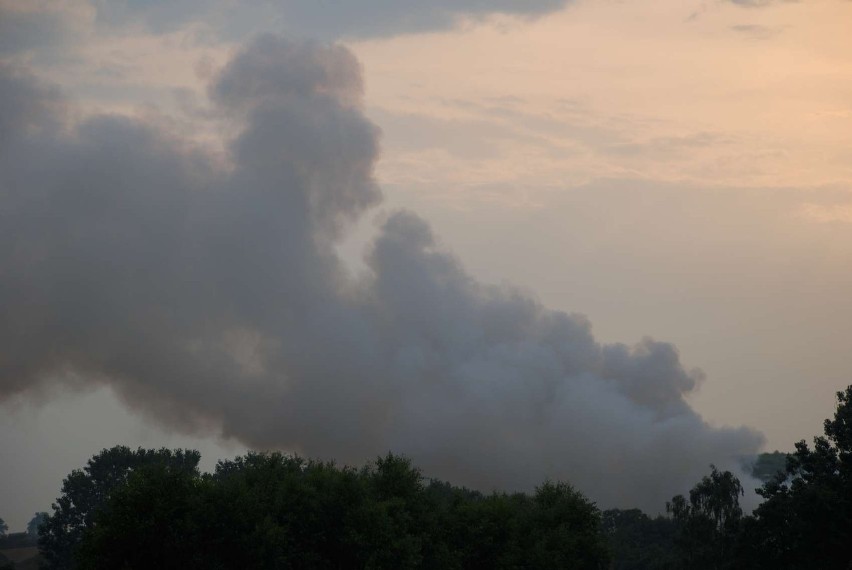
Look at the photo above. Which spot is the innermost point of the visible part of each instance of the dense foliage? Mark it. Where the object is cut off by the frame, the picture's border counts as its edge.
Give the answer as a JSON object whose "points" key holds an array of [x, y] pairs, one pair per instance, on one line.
{"points": [[768, 465], [805, 520], [153, 509], [276, 511], [639, 542], [86, 490]]}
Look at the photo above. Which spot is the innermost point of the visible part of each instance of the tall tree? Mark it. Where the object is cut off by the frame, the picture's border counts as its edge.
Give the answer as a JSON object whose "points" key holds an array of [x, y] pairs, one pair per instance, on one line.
{"points": [[4, 528], [708, 522], [639, 542], [156, 519], [805, 520], [564, 530], [86, 490]]}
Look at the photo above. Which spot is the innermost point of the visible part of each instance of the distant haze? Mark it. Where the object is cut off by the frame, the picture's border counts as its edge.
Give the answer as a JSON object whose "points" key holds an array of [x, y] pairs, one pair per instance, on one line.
{"points": [[210, 296]]}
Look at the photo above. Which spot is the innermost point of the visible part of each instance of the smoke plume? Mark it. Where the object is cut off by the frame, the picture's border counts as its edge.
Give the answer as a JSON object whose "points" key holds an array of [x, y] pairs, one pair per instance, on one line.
{"points": [[208, 294]]}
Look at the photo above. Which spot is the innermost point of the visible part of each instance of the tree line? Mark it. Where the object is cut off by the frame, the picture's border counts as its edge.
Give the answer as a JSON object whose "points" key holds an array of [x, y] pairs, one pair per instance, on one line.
{"points": [[268, 510], [154, 509], [803, 522]]}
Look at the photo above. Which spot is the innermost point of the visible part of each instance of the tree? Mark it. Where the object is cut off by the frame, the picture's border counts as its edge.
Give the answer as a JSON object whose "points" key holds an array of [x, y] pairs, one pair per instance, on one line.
{"points": [[268, 510], [156, 519], [708, 523], [639, 542], [34, 524], [565, 530], [85, 491], [4, 528], [805, 520], [767, 466]]}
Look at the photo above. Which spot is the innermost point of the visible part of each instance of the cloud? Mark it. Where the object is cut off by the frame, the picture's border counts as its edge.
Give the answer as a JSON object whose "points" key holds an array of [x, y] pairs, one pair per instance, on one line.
{"points": [[26, 26], [161, 16], [662, 147], [708, 5], [755, 31], [761, 3], [826, 214], [391, 17], [27, 106], [208, 294], [324, 18]]}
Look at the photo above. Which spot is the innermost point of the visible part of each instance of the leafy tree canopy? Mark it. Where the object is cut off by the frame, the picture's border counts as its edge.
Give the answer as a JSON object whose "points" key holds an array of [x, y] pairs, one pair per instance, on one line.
{"points": [[639, 542], [805, 520], [268, 510], [85, 491], [708, 522], [767, 466]]}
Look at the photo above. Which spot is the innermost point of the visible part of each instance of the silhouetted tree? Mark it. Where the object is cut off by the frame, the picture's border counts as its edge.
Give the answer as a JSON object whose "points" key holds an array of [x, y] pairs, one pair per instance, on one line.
{"points": [[34, 524], [767, 466], [85, 491], [639, 542], [276, 511], [805, 520], [156, 519], [708, 522], [563, 530]]}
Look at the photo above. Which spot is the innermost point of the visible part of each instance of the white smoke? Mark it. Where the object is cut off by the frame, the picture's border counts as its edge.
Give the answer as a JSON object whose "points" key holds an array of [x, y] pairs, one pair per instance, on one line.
{"points": [[211, 297]]}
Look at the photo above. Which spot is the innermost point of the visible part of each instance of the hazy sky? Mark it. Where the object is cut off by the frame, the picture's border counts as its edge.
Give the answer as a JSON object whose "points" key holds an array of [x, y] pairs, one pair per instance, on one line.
{"points": [[668, 168]]}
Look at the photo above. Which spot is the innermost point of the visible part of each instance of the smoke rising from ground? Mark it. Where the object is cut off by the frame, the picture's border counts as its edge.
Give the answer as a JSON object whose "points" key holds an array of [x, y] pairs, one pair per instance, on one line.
{"points": [[209, 295]]}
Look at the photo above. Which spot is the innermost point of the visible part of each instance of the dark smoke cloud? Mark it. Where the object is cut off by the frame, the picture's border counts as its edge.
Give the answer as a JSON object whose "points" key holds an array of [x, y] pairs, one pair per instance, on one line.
{"points": [[208, 295]]}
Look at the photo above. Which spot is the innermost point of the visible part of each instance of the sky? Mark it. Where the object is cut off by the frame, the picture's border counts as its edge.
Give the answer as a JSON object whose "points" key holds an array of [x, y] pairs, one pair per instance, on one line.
{"points": [[670, 170]]}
